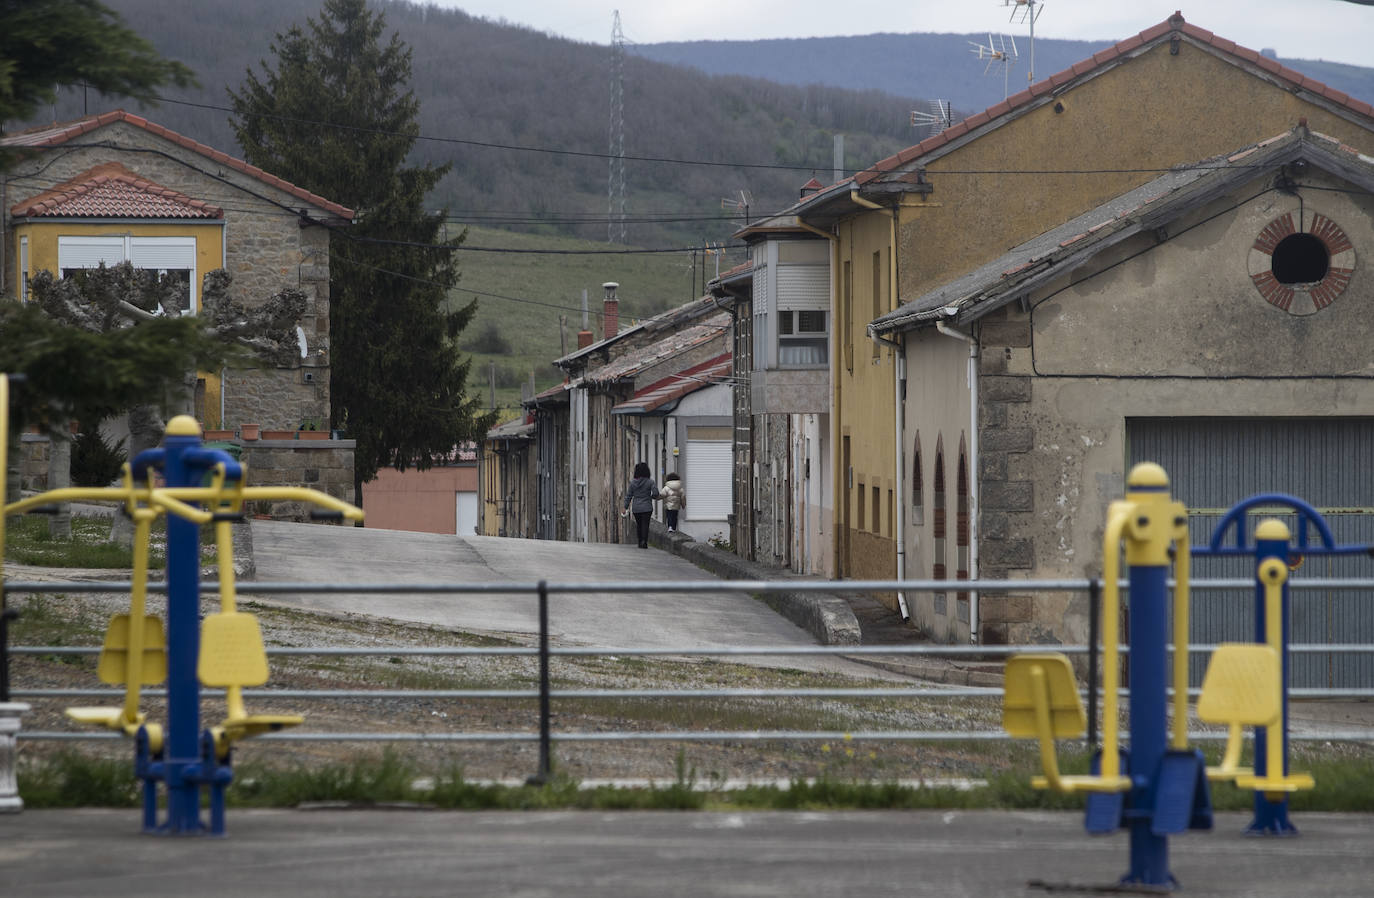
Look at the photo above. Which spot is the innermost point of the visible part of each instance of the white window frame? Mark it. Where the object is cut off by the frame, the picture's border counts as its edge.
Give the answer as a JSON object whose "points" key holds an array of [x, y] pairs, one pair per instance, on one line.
{"points": [[24, 269], [160, 254]]}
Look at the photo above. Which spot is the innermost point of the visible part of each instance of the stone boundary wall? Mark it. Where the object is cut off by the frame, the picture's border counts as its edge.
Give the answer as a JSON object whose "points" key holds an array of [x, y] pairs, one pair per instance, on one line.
{"points": [[324, 465]]}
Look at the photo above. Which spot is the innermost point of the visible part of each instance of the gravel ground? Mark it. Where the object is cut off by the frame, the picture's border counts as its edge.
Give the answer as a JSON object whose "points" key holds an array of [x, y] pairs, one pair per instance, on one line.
{"points": [[80, 619]]}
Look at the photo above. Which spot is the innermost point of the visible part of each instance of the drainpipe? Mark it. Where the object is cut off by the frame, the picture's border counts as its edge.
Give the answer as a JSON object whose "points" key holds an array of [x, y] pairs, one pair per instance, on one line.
{"points": [[898, 400], [899, 524], [973, 480]]}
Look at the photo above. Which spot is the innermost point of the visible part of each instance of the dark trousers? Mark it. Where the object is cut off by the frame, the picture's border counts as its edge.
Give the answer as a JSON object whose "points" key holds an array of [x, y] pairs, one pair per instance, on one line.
{"points": [[642, 527], [671, 515]]}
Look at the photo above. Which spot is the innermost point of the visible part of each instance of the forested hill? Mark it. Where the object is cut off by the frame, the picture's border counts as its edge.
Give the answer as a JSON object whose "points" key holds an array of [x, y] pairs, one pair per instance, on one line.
{"points": [[940, 66], [485, 87]]}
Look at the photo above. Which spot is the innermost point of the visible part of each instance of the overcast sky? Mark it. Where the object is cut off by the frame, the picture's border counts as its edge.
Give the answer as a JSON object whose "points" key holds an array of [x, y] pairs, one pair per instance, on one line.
{"points": [[1333, 30]]}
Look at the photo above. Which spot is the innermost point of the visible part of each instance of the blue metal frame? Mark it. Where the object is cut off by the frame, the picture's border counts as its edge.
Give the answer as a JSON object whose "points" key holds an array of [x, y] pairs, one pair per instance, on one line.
{"points": [[1271, 817], [187, 762]]}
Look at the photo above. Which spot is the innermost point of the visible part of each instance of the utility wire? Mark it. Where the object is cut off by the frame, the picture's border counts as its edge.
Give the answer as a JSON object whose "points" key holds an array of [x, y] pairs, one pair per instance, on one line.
{"points": [[668, 160]]}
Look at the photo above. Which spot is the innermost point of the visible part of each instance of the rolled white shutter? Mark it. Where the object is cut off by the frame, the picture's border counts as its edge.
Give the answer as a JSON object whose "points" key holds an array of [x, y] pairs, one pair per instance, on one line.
{"points": [[710, 469]]}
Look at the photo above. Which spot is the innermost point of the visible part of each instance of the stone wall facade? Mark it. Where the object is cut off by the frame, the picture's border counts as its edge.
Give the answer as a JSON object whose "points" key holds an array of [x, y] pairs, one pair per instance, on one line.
{"points": [[273, 240]]}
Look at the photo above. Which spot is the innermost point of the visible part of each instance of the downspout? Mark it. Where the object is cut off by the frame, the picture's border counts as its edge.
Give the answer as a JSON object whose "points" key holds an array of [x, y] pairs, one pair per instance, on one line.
{"points": [[973, 480], [899, 522], [898, 402]]}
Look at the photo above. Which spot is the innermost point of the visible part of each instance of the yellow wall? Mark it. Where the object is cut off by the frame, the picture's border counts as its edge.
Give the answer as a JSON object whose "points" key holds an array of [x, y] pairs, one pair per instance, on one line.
{"points": [[864, 400], [42, 242], [1145, 115]]}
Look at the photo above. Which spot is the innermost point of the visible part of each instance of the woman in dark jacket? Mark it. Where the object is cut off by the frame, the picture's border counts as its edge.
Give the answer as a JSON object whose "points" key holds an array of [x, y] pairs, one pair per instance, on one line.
{"points": [[639, 499]]}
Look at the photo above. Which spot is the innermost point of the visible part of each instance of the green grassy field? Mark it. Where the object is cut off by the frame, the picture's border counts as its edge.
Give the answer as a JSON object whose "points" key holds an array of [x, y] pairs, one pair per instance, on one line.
{"points": [[536, 311]]}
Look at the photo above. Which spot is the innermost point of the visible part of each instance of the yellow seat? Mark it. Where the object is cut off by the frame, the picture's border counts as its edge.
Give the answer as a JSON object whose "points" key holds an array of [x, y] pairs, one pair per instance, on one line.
{"points": [[1041, 701], [1241, 688], [113, 666], [1019, 717], [231, 651], [232, 655]]}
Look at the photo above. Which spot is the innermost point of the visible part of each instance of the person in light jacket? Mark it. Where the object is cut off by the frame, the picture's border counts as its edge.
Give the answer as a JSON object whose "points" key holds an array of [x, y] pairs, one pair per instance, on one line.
{"points": [[639, 499], [674, 497]]}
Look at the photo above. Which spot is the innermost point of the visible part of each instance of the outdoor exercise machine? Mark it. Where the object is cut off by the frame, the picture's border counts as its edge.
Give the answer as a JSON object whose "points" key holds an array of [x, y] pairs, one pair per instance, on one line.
{"points": [[1275, 551], [1159, 787], [200, 485]]}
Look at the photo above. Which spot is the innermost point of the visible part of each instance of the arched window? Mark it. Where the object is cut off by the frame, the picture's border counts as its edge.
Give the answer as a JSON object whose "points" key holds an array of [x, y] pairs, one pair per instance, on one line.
{"points": [[918, 498], [938, 570]]}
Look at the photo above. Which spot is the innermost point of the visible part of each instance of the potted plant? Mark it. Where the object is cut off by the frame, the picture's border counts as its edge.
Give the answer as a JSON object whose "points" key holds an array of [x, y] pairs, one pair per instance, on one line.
{"points": [[248, 431], [310, 430]]}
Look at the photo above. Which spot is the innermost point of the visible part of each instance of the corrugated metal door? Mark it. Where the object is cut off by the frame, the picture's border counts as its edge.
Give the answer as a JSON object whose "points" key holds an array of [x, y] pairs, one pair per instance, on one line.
{"points": [[1213, 463]]}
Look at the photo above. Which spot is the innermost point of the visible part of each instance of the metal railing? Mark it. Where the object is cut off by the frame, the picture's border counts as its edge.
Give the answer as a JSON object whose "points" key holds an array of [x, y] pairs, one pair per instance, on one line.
{"points": [[543, 652]]}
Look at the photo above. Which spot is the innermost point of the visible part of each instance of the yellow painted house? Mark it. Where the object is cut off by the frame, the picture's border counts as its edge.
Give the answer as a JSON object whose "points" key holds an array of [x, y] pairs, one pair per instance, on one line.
{"points": [[116, 187], [108, 215], [933, 477]]}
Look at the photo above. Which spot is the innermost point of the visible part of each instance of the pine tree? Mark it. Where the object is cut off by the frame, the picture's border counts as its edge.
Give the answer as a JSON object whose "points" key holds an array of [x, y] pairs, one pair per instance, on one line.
{"points": [[332, 117], [45, 44]]}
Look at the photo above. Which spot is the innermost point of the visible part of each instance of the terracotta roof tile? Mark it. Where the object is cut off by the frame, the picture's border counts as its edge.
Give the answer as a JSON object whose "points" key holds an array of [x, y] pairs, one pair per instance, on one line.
{"points": [[56, 135], [112, 191]]}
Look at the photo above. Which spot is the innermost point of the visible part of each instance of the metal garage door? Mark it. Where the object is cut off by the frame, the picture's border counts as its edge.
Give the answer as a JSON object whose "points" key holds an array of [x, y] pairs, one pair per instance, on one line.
{"points": [[1213, 463]]}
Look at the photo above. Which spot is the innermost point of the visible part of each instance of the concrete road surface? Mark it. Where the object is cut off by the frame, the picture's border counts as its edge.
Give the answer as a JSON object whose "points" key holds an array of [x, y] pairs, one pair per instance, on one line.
{"points": [[505, 854], [289, 552]]}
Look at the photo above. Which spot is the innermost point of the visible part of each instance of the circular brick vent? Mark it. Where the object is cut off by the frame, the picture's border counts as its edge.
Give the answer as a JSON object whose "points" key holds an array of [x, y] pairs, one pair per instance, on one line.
{"points": [[1301, 272]]}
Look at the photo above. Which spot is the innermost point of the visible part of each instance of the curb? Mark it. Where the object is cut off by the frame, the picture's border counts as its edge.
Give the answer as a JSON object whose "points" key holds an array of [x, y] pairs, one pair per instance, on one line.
{"points": [[825, 616]]}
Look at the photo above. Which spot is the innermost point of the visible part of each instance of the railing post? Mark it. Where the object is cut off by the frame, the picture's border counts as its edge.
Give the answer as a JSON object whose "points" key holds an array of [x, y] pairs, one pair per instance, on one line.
{"points": [[1094, 631], [542, 775]]}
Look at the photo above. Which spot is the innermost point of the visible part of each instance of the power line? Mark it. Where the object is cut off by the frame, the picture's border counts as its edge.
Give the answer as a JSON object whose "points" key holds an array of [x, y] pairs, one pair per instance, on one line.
{"points": [[668, 160]]}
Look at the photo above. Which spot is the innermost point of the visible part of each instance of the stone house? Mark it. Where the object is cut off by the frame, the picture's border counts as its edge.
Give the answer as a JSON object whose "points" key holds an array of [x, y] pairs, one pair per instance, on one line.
{"points": [[116, 187], [681, 424], [1216, 320], [578, 487], [943, 403]]}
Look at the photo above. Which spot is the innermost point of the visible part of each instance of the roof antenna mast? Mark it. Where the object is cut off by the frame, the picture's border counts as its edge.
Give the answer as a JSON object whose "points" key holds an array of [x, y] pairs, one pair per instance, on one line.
{"points": [[1027, 11], [1000, 50], [615, 187]]}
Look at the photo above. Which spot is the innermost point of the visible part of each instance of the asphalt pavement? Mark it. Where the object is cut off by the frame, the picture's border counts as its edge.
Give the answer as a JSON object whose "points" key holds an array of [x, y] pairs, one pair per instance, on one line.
{"points": [[952, 854], [285, 552]]}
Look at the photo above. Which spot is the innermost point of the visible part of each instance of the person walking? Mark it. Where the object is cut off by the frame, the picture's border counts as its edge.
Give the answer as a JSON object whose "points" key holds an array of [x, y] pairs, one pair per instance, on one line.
{"points": [[639, 500], [674, 497]]}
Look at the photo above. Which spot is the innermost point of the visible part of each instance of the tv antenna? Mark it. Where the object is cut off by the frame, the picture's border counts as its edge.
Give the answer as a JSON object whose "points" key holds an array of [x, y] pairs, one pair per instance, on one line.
{"points": [[1000, 50], [1027, 11], [936, 120], [738, 205]]}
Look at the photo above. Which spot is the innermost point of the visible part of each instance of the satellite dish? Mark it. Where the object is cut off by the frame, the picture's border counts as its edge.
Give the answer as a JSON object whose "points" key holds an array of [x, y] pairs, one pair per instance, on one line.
{"points": [[300, 340]]}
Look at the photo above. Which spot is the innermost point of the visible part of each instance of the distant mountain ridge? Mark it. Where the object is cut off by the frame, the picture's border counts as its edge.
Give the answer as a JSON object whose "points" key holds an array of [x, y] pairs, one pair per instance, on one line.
{"points": [[522, 116], [932, 66]]}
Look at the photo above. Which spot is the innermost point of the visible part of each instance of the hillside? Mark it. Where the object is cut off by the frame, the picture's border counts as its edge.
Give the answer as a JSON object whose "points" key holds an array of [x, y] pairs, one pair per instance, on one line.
{"points": [[530, 305], [931, 65], [486, 89]]}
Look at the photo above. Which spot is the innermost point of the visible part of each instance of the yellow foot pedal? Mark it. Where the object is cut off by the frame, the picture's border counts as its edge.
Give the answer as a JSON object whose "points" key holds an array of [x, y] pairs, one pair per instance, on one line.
{"points": [[110, 718]]}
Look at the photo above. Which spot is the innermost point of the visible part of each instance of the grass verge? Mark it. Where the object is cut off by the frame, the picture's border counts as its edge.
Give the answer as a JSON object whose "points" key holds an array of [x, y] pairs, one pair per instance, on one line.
{"points": [[69, 779]]}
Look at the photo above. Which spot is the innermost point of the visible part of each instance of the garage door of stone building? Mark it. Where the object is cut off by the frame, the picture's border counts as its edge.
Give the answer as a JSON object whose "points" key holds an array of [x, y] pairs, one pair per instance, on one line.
{"points": [[1213, 463]]}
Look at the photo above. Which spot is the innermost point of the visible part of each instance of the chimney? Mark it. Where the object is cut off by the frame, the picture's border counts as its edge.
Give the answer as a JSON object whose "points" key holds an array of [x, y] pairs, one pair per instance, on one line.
{"points": [[810, 188], [611, 311], [584, 339]]}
